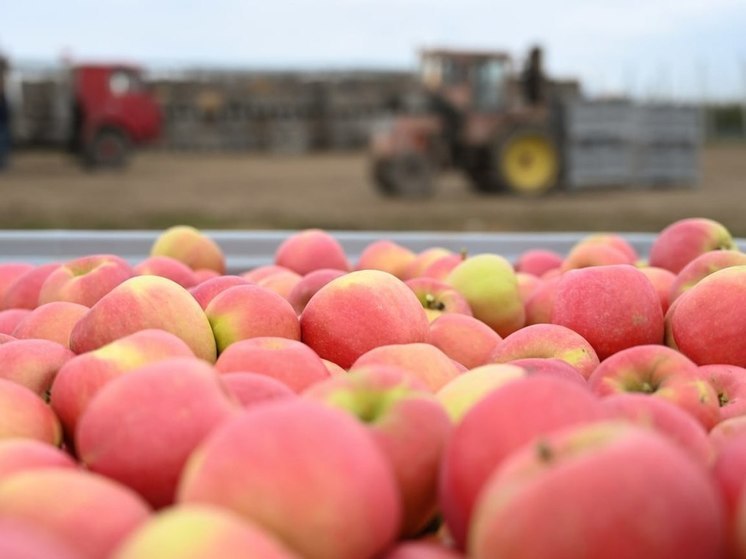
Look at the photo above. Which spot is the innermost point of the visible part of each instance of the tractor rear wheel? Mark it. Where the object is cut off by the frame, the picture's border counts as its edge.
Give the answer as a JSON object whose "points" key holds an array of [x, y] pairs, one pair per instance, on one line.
{"points": [[407, 176], [528, 161]]}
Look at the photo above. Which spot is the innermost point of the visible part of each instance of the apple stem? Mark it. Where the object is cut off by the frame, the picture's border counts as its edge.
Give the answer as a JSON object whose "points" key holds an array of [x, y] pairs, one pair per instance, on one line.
{"points": [[544, 451]]}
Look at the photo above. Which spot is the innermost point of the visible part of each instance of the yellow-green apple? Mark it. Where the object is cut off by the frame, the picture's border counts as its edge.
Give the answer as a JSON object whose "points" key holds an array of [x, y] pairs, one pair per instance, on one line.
{"points": [[538, 261], [272, 461], [200, 532], [662, 372], [85, 280], [140, 303], [682, 241], [539, 305], [586, 492], [664, 417], [727, 471], [463, 338], [437, 297], [26, 415], [9, 273], [23, 540], [281, 282], [159, 413], [552, 367], [253, 388], [423, 361], [727, 429], [587, 254], [709, 320], [89, 513], [23, 454], [507, 418], [418, 549], [489, 284], [359, 311], [387, 256], [409, 425], [81, 377], [50, 321], [289, 361], [460, 394], [167, 267], [249, 311], [309, 250], [191, 247], [613, 307], [729, 382], [550, 341], [702, 266], [9, 319], [33, 363], [23, 293], [206, 291], [422, 260], [308, 285], [662, 280]]}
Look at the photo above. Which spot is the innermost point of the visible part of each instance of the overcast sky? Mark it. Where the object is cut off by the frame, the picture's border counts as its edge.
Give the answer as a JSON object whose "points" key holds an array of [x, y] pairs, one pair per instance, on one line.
{"points": [[651, 48]]}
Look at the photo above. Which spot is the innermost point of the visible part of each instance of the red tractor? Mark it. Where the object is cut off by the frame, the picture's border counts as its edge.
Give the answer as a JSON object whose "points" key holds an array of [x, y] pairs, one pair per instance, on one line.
{"points": [[473, 112], [100, 111]]}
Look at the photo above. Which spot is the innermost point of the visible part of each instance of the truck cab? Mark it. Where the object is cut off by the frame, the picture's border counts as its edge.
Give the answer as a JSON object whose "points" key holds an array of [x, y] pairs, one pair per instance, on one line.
{"points": [[112, 111]]}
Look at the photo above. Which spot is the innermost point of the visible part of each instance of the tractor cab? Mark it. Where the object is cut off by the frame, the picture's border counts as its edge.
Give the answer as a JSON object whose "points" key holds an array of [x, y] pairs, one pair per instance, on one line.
{"points": [[482, 118], [473, 80]]}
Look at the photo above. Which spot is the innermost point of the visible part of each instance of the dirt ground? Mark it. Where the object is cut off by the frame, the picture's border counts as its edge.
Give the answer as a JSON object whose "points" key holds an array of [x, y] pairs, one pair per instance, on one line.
{"points": [[49, 191]]}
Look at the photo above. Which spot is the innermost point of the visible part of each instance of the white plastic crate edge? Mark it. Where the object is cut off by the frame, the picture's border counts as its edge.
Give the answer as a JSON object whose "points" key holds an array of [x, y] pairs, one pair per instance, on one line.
{"points": [[247, 249]]}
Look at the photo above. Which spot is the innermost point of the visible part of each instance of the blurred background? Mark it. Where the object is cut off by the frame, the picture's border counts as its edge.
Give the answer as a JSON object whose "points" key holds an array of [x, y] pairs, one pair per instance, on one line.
{"points": [[373, 115]]}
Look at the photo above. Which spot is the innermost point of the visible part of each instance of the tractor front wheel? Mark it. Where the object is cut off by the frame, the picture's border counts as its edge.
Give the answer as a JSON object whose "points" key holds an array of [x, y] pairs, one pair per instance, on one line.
{"points": [[110, 147], [407, 176]]}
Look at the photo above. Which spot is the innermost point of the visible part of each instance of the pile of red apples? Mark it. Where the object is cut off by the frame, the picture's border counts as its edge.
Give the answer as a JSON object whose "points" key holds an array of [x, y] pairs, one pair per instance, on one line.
{"points": [[405, 405]]}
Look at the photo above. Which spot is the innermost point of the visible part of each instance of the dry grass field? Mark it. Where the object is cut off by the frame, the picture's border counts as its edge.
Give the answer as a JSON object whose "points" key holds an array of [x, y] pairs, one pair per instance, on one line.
{"points": [[49, 191]]}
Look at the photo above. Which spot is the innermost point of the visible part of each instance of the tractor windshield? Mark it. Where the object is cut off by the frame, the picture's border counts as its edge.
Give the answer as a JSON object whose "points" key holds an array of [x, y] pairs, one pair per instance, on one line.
{"points": [[489, 84]]}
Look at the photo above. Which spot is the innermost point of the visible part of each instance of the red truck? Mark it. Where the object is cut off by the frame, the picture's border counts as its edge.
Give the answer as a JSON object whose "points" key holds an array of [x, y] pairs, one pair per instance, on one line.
{"points": [[99, 111]]}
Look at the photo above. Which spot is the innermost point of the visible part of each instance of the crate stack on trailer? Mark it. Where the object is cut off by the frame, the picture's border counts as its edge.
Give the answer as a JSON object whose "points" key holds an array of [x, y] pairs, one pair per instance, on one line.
{"points": [[621, 142]]}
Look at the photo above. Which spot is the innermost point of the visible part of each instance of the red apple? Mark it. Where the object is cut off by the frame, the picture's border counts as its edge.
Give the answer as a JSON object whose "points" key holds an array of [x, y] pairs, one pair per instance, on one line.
{"points": [[85, 280], [206, 291], [310, 250], [191, 247], [23, 293], [250, 311], [271, 462], [661, 372], [23, 454], [514, 414], [26, 415], [708, 321], [463, 338], [140, 303], [33, 363], [538, 261], [289, 361], [253, 388], [408, 424], [309, 284], [682, 241], [359, 311], [176, 401], [702, 266], [612, 307], [548, 341], [167, 267], [10, 318], [437, 297], [387, 256], [662, 280], [729, 383], [51, 321], [575, 489]]}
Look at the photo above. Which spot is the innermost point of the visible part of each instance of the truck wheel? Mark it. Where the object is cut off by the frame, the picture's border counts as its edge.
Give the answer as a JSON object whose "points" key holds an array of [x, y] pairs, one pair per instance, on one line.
{"points": [[110, 147], [407, 176], [528, 161]]}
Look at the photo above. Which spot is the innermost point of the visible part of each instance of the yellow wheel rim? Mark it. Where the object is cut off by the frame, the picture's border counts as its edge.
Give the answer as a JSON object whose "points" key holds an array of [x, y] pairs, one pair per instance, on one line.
{"points": [[529, 164]]}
